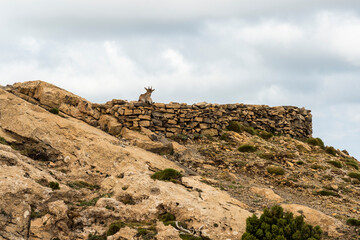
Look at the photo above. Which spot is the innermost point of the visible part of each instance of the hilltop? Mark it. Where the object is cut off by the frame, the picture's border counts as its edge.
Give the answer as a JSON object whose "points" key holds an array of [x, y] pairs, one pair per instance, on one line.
{"points": [[70, 169]]}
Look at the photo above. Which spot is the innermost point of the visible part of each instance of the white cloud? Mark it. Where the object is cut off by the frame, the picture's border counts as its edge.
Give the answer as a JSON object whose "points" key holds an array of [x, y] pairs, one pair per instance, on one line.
{"points": [[341, 33]]}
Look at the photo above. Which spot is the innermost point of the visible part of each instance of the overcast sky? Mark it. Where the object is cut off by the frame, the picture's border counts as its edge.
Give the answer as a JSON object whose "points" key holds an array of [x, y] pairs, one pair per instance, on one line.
{"points": [[279, 52]]}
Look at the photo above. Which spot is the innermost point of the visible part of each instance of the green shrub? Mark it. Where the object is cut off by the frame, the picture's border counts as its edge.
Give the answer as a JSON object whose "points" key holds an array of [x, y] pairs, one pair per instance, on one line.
{"points": [[276, 170], [238, 127], [299, 162], [353, 222], [353, 163], [247, 148], [189, 237], [235, 126], [166, 217], [167, 174], [354, 175], [224, 136], [327, 193], [82, 184], [180, 137], [91, 202], [335, 163], [54, 111], [316, 142], [96, 237], [265, 135], [3, 141], [54, 185], [279, 225], [146, 233], [114, 228], [249, 129], [331, 151]]}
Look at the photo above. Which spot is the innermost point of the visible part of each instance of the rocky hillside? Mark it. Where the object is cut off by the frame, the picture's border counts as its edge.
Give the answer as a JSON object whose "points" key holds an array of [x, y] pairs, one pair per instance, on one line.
{"points": [[62, 178]]}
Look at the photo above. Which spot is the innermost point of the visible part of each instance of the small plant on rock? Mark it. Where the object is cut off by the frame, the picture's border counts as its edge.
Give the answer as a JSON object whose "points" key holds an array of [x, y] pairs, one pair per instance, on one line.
{"points": [[167, 174], [247, 148], [353, 222], [54, 185], [274, 223], [354, 175], [54, 111], [331, 151], [335, 164], [316, 142], [114, 228], [352, 162], [265, 135], [96, 237], [276, 170], [235, 126]]}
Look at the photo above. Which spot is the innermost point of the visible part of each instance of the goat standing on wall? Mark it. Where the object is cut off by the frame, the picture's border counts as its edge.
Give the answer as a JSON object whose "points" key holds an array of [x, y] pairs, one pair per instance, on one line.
{"points": [[146, 97]]}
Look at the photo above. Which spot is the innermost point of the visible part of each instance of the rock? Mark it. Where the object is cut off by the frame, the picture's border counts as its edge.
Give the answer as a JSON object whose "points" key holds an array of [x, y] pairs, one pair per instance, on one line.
{"points": [[110, 124], [166, 232], [314, 217], [267, 193], [143, 141]]}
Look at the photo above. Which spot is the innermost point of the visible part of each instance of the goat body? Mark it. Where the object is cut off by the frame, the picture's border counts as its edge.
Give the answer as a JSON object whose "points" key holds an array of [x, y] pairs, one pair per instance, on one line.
{"points": [[146, 97]]}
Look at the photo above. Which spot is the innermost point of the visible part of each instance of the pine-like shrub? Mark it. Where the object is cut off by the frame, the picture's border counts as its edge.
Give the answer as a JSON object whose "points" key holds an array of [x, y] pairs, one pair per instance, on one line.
{"points": [[276, 224]]}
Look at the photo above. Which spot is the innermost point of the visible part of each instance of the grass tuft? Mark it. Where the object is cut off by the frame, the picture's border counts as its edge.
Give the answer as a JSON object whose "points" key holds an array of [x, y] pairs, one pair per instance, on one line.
{"points": [[167, 174], [276, 170], [247, 148]]}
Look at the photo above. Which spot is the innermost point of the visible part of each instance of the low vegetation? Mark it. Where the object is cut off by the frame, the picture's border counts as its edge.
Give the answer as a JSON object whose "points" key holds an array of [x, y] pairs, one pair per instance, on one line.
{"points": [[354, 175], [276, 170], [265, 135], [54, 185], [96, 237], [335, 163], [331, 151], [274, 223], [54, 111], [316, 142], [82, 184], [352, 163], [327, 193], [114, 228], [167, 174], [238, 127], [247, 148], [353, 222]]}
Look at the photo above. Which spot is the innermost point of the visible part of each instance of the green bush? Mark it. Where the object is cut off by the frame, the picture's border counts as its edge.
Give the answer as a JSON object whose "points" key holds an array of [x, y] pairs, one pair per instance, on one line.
{"points": [[299, 162], [327, 193], [238, 127], [189, 237], [265, 135], [96, 237], [331, 151], [167, 174], [353, 163], [247, 148], [353, 222], [3, 141], [276, 170], [224, 136], [54, 111], [354, 175], [54, 185], [335, 163], [114, 228], [235, 126], [316, 142], [180, 137], [166, 217], [82, 184], [279, 225]]}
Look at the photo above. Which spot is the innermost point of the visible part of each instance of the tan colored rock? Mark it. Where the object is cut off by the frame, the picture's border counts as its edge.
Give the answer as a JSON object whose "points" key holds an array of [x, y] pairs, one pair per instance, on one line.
{"points": [[166, 232], [314, 217], [210, 132], [110, 124], [267, 193], [125, 233]]}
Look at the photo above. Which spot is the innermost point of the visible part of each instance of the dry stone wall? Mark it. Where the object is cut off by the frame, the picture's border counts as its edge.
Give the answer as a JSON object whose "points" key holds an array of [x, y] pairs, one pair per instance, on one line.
{"points": [[170, 119]]}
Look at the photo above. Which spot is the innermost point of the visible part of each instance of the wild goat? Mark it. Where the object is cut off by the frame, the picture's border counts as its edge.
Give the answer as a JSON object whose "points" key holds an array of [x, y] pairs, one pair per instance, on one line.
{"points": [[146, 97]]}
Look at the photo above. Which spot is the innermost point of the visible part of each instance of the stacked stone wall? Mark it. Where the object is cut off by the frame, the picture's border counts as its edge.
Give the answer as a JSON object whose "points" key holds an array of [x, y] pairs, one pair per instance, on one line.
{"points": [[169, 119]]}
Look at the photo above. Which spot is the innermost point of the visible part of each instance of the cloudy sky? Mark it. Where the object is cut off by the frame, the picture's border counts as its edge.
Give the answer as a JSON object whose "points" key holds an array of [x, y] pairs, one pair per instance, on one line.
{"points": [[279, 52]]}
